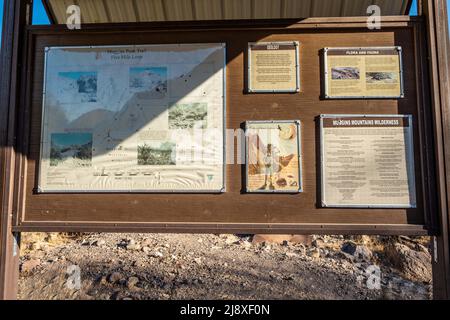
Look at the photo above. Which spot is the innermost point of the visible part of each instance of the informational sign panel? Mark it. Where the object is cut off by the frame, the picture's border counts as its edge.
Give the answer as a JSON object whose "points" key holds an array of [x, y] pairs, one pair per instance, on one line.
{"points": [[273, 203], [273, 67], [273, 156], [133, 119], [363, 72], [367, 161]]}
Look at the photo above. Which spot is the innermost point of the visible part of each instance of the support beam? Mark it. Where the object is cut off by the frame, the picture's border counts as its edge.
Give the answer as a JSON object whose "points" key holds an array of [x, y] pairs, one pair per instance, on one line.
{"points": [[435, 12], [419, 7], [17, 14]]}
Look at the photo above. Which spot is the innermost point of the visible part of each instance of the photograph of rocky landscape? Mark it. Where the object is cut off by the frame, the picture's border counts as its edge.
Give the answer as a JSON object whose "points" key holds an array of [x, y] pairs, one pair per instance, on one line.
{"points": [[188, 116], [345, 73], [152, 80], [381, 77], [71, 149], [162, 155], [78, 86]]}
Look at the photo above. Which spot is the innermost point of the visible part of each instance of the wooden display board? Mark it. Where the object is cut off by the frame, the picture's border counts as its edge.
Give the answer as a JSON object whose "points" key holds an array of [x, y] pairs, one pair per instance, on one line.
{"points": [[235, 210], [425, 55]]}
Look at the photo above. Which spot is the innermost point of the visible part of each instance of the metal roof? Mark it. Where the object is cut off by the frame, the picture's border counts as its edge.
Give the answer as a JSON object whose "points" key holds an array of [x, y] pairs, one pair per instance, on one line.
{"points": [[110, 11]]}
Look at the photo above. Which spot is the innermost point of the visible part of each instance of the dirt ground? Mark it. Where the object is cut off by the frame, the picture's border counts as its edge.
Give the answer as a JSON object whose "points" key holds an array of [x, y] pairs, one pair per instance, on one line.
{"points": [[186, 266]]}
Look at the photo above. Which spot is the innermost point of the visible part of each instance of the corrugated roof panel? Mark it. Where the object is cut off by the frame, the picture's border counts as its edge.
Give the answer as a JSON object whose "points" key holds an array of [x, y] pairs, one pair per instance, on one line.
{"points": [[59, 8], [208, 9], [54, 8], [238, 9], [121, 10], [398, 6], [295, 8], [150, 10], [352, 8], [95, 11], [387, 7], [266, 9], [178, 10], [326, 8]]}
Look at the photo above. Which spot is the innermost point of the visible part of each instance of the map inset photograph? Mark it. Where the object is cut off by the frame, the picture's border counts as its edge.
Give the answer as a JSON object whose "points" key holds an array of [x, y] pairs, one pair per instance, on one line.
{"points": [[71, 149], [381, 77], [188, 116], [345, 73], [149, 79], [161, 154], [78, 86]]}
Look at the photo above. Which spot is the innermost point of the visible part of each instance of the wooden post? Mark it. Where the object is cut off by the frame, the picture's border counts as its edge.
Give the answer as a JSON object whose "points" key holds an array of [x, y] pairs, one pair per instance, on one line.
{"points": [[435, 12], [17, 13], [419, 7]]}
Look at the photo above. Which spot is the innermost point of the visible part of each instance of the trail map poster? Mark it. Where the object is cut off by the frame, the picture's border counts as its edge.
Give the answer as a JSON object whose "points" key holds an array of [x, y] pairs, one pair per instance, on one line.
{"points": [[363, 72], [144, 118], [273, 156], [367, 161], [273, 67]]}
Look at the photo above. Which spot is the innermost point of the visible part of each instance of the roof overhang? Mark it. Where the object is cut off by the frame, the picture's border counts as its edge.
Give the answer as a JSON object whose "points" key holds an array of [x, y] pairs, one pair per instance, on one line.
{"points": [[114, 11]]}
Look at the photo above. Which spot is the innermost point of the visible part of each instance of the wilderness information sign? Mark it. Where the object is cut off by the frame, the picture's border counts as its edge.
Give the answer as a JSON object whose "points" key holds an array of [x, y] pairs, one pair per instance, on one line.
{"points": [[144, 118], [273, 67], [363, 72], [367, 161]]}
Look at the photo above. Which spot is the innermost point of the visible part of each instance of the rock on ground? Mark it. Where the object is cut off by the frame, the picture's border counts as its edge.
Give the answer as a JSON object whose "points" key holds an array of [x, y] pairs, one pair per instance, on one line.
{"points": [[191, 266], [414, 264]]}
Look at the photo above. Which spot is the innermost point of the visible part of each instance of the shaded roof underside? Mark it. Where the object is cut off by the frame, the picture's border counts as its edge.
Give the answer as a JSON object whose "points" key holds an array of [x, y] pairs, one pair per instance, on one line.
{"points": [[112, 11]]}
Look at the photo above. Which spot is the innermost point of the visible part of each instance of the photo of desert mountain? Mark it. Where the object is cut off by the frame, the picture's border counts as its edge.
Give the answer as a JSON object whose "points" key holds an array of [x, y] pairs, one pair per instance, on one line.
{"points": [[345, 73], [78, 86], [149, 80], [273, 157], [71, 149]]}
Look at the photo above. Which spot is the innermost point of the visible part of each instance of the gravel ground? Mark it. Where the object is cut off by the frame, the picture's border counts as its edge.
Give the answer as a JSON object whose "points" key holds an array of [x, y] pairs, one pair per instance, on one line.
{"points": [[191, 266]]}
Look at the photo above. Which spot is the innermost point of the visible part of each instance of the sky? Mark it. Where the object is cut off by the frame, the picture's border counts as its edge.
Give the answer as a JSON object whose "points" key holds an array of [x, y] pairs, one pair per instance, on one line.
{"points": [[40, 17]]}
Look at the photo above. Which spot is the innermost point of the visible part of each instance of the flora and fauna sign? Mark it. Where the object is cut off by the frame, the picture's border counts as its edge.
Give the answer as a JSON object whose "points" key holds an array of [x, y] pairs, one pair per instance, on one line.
{"points": [[363, 72]]}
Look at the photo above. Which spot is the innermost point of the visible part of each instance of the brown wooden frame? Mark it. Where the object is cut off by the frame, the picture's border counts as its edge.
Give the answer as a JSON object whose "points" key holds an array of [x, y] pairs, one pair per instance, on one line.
{"points": [[430, 41], [439, 52], [17, 15], [88, 221]]}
